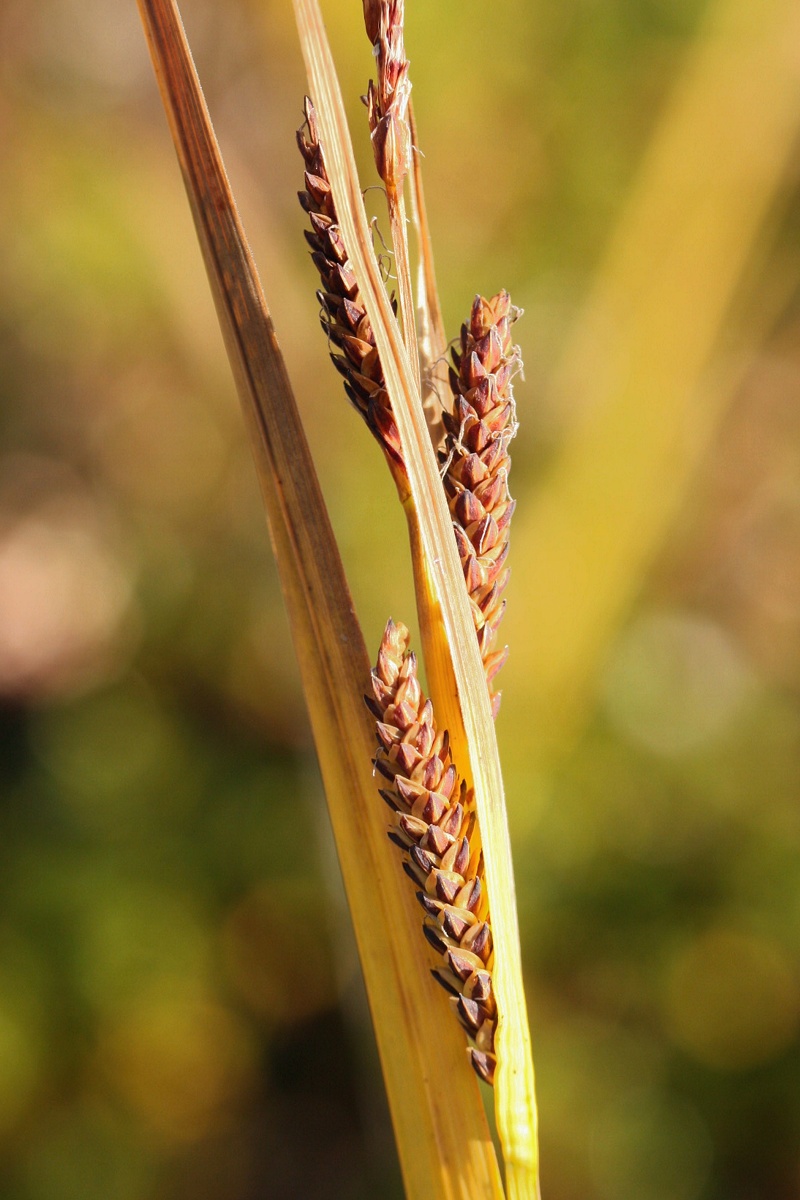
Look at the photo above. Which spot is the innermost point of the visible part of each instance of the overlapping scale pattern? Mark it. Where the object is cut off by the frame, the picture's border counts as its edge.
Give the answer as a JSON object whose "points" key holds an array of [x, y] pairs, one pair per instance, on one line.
{"points": [[343, 315], [434, 826], [476, 463]]}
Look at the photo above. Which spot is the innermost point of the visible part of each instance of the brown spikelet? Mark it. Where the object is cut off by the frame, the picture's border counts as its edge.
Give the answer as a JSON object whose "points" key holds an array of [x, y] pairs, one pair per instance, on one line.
{"points": [[343, 315], [387, 101], [476, 463], [434, 826]]}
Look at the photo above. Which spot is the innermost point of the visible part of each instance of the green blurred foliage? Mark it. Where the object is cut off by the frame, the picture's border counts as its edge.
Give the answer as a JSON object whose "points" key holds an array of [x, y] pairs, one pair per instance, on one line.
{"points": [[180, 1011]]}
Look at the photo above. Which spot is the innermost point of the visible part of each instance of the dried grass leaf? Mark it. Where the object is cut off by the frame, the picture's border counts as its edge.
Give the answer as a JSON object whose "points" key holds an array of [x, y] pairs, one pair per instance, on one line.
{"points": [[446, 1152], [455, 673]]}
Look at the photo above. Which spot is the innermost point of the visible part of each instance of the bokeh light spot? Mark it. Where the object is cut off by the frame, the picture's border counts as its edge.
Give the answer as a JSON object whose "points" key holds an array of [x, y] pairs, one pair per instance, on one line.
{"points": [[134, 934], [168, 456], [732, 1000], [19, 1067], [275, 942], [180, 1060], [649, 1145], [85, 1154], [118, 758], [63, 598], [674, 682]]}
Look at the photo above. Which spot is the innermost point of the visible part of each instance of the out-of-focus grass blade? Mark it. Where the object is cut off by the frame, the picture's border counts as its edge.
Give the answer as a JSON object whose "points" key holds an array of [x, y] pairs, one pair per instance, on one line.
{"points": [[431, 336], [460, 694], [641, 360], [445, 1148]]}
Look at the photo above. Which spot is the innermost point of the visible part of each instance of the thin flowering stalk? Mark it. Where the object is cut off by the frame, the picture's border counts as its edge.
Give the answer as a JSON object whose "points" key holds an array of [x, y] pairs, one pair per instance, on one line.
{"points": [[435, 827], [387, 111], [431, 337], [476, 463]]}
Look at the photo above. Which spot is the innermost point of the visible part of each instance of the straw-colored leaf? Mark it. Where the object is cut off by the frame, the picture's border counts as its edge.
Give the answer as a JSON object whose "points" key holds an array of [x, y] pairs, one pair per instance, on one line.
{"points": [[445, 1149], [455, 673]]}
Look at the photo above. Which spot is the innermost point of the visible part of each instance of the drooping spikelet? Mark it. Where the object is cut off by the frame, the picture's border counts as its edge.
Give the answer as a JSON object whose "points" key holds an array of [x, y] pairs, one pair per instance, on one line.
{"points": [[476, 463], [433, 824], [343, 315]]}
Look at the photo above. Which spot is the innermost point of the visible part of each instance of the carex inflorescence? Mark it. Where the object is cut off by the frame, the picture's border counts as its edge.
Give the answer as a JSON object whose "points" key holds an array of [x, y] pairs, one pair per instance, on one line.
{"points": [[434, 826], [343, 315], [476, 462]]}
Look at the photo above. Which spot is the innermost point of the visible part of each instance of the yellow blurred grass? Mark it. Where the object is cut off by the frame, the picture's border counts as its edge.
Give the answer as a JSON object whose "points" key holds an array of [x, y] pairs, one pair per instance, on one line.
{"points": [[642, 368]]}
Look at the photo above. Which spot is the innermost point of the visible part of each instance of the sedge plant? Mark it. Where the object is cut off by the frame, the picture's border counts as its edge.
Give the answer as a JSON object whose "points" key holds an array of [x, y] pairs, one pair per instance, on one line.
{"points": [[445, 435]]}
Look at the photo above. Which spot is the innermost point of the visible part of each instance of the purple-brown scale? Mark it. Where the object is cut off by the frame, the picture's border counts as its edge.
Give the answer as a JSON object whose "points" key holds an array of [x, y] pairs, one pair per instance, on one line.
{"points": [[434, 826]]}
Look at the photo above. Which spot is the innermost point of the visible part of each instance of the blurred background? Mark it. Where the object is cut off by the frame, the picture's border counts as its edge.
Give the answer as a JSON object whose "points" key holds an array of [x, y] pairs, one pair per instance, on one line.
{"points": [[180, 1007]]}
